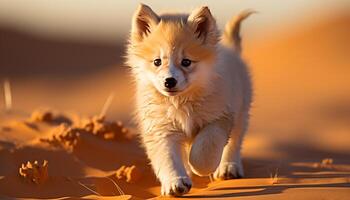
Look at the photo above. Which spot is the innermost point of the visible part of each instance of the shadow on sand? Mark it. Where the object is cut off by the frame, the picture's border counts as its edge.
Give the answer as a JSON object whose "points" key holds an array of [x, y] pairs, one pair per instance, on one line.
{"points": [[308, 172]]}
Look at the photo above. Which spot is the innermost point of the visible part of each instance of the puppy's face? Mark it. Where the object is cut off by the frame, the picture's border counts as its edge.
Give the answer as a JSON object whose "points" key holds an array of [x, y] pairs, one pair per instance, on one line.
{"points": [[173, 52]]}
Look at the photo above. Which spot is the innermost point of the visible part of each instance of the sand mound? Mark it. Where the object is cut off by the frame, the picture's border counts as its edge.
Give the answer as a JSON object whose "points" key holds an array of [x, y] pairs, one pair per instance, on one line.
{"points": [[64, 136], [107, 130], [49, 116], [85, 156], [68, 135]]}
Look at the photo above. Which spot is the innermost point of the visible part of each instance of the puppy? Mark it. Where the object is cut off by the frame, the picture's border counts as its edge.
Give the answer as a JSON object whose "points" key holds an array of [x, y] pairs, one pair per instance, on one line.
{"points": [[193, 95]]}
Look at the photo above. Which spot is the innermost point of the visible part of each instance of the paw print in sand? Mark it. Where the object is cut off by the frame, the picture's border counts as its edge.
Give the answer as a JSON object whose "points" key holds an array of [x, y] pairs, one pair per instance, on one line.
{"points": [[34, 172], [130, 174]]}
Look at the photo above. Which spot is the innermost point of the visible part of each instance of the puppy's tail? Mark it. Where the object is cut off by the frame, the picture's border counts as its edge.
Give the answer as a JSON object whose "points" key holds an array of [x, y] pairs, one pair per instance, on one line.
{"points": [[231, 36]]}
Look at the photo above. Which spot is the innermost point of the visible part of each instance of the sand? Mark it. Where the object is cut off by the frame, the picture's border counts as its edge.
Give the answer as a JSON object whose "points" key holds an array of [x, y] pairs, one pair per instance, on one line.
{"points": [[297, 146]]}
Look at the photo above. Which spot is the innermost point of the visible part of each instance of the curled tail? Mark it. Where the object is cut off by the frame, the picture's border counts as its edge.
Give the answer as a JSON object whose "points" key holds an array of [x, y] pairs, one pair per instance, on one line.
{"points": [[231, 35]]}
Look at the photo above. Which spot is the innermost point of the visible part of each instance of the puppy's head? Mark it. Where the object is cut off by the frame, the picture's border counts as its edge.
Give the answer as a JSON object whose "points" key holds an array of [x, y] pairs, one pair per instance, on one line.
{"points": [[172, 52]]}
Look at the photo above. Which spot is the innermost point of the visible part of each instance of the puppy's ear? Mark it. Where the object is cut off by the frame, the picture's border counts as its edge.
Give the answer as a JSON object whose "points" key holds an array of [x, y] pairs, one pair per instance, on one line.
{"points": [[204, 25], [143, 21]]}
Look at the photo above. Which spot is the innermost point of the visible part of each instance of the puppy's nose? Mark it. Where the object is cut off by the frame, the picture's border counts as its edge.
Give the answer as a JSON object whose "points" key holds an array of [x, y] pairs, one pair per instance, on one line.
{"points": [[170, 83]]}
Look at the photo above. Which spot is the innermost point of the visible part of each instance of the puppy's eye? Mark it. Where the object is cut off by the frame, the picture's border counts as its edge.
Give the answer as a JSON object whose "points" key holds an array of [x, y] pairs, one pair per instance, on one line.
{"points": [[157, 62], [186, 62]]}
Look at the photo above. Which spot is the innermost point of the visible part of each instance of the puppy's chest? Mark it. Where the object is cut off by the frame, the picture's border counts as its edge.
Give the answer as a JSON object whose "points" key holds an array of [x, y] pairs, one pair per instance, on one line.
{"points": [[189, 118]]}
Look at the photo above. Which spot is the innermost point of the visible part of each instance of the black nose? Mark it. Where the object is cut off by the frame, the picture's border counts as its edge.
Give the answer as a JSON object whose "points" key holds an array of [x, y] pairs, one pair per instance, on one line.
{"points": [[170, 83]]}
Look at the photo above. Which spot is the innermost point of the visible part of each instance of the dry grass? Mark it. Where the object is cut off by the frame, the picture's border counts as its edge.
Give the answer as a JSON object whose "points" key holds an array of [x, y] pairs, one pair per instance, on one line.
{"points": [[91, 190], [211, 178], [7, 95], [274, 177], [120, 191], [107, 104]]}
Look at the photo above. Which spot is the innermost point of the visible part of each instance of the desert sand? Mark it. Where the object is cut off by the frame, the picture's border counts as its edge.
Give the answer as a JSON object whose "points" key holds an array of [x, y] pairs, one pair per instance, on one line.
{"points": [[297, 146]]}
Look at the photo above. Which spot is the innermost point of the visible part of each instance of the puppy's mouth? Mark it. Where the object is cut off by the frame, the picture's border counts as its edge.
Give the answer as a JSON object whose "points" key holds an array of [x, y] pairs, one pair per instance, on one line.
{"points": [[172, 92], [176, 91]]}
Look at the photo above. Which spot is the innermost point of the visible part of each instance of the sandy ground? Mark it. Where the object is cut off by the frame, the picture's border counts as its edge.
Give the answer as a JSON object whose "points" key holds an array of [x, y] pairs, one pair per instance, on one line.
{"points": [[297, 146]]}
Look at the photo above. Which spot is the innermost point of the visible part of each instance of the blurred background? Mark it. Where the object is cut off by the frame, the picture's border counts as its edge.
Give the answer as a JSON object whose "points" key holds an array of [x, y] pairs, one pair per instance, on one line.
{"points": [[68, 55]]}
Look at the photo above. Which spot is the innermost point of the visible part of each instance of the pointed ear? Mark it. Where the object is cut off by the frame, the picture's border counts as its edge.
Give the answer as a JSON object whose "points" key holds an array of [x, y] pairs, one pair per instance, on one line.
{"points": [[143, 21], [204, 25]]}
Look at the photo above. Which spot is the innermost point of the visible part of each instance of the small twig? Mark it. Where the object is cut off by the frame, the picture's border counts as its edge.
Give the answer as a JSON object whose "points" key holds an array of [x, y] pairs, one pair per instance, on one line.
{"points": [[274, 178], [117, 186], [7, 95], [107, 104], [89, 189]]}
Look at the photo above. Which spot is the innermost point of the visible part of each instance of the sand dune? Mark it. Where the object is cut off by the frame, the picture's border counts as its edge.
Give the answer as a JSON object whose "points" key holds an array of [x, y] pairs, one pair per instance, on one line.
{"points": [[297, 146]]}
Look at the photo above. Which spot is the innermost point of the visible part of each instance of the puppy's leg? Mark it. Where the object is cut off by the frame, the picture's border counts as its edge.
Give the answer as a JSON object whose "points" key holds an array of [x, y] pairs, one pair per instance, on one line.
{"points": [[231, 165], [186, 159], [166, 154], [207, 147]]}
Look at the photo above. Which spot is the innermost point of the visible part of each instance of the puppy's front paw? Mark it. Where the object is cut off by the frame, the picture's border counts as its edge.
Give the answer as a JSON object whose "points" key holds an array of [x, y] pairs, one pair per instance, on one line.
{"points": [[229, 170], [177, 186]]}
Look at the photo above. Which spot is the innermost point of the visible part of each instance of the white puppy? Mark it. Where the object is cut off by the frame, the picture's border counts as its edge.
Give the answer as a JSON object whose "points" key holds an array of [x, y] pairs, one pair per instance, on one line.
{"points": [[193, 95]]}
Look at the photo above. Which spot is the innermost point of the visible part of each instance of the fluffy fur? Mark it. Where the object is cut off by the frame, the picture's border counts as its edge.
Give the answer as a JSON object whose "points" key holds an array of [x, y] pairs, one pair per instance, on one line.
{"points": [[197, 126]]}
